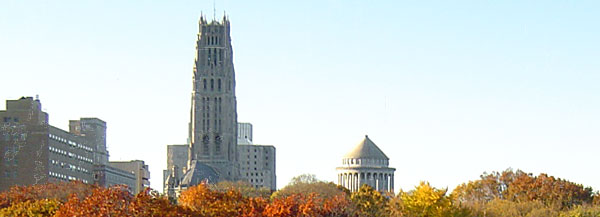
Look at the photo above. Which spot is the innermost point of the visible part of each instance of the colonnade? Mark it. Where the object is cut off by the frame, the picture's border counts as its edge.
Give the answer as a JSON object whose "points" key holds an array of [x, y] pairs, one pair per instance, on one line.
{"points": [[379, 180]]}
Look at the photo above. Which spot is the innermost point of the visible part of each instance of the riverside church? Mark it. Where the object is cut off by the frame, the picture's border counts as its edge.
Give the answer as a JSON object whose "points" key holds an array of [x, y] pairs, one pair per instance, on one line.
{"points": [[214, 151]]}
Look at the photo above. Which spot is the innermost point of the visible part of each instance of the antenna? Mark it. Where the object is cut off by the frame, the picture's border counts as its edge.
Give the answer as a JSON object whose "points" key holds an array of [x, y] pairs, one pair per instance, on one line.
{"points": [[214, 10]]}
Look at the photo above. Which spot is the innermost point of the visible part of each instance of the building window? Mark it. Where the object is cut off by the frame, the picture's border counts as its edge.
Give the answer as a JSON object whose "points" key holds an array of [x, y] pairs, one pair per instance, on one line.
{"points": [[212, 84]]}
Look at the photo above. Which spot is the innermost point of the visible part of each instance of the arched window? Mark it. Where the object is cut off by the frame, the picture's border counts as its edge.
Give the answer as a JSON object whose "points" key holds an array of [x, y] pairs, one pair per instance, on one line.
{"points": [[219, 85], [204, 81], [218, 144], [212, 84]]}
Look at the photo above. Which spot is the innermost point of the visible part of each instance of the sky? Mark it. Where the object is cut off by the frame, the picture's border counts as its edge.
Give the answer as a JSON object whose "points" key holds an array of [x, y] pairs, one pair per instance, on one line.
{"points": [[447, 89]]}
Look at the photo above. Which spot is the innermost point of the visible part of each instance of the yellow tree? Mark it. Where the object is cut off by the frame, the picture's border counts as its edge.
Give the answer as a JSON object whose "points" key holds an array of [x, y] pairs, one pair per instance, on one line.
{"points": [[369, 202], [424, 201], [43, 207]]}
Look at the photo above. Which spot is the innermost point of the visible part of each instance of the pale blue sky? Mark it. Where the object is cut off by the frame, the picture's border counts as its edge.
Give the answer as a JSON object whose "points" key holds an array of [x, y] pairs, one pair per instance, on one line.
{"points": [[447, 89]]}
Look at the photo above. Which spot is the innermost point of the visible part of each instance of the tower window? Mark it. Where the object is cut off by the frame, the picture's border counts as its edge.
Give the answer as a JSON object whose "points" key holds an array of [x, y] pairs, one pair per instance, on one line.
{"points": [[212, 84], [218, 144], [204, 81], [205, 145], [219, 85]]}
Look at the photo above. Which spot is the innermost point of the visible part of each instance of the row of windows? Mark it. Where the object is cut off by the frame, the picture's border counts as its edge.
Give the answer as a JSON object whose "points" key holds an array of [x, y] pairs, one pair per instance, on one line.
{"points": [[65, 177], [205, 84], [214, 56], [256, 150], [253, 174], [15, 137], [212, 40], [8, 119], [364, 161], [69, 166], [10, 174], [256, 180], [69, 142], [70, 154], [206, 142]]}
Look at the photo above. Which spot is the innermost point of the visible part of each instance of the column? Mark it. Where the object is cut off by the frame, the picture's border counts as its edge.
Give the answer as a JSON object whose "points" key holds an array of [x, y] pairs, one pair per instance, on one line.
{"points": [[381, 181], [361, 178], [385, 182], [357, 177], [392, 182], [375, 183], [346, 181], [352, 182]]}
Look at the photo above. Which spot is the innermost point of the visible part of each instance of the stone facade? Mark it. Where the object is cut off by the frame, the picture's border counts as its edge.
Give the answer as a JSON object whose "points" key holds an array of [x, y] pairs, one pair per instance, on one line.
{"points": [[94, 131], [244, 134], [214, 148], [106, 176], [139, 169], [177, 157], [366, 164], [213, 121], [33, 152], [257, 165]]}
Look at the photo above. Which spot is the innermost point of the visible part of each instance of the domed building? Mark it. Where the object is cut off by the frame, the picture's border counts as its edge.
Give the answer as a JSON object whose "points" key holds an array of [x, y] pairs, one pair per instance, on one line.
{"points": [[366, 164]]}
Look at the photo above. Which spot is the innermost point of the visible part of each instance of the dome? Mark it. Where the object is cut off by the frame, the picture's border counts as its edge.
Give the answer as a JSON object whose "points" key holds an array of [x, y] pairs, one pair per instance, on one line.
{"points": [[366, 149]]}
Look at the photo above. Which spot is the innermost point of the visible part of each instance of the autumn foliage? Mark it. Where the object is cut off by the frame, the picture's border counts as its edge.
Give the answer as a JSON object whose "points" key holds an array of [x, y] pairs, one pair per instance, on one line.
{"points": [[507, 193]]}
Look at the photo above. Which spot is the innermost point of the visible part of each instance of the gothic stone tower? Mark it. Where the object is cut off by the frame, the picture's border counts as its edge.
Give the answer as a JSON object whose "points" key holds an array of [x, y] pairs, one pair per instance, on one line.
{"points": [[213, 122]]}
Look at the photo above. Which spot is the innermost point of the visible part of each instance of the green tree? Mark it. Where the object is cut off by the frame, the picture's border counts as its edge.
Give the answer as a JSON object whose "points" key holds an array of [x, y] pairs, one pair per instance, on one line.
{"points": [[307, 184], [519, 186]]}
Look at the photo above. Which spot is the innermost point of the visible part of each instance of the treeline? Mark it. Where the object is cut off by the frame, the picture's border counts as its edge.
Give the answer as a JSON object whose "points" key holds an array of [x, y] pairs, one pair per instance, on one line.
{"points": [[508, 193]]}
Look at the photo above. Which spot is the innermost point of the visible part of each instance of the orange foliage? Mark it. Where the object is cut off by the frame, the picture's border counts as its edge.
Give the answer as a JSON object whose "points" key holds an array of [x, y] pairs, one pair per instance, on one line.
{"points": [[150, 203], [206, 202], [310, 205], [114, 201], [58, 191]]}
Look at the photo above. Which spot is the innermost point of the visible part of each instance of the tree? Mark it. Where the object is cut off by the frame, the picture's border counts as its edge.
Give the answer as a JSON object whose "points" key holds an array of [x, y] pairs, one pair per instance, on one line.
{"points": [[244, 188], [424, 201], [43, 207], [368, 201], [59, 191], [151, 203], [114, 201], [206, 202], [507, 208], [307, 184], [521, 187], [304, 178], [310, 205]]}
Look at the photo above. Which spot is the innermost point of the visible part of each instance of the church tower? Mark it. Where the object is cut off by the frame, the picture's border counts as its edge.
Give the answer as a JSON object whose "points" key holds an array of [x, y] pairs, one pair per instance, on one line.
{"points": [[213, 121]]}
